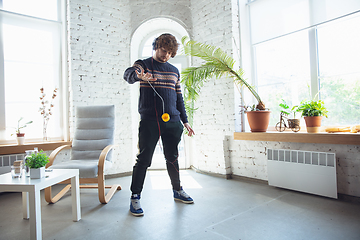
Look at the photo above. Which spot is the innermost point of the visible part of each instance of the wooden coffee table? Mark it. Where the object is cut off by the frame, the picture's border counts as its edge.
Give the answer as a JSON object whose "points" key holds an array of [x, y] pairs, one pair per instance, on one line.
{"points": [[30, 189]]}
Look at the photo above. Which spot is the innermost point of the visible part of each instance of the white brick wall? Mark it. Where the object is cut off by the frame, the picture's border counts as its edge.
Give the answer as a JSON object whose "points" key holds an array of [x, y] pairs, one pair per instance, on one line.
{"points": [[212, 24], [99, 38]]}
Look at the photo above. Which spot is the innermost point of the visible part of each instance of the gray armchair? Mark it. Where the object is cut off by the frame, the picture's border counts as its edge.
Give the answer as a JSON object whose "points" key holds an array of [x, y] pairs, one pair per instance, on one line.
{"points": [[93, 141]]}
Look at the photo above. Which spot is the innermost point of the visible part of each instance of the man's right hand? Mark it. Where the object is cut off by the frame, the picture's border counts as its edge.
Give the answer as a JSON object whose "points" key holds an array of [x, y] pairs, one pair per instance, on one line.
{"points": [[145, 76]]}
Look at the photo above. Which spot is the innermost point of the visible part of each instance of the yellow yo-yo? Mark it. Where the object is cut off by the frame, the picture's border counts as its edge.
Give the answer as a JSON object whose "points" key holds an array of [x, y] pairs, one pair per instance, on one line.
{"points": [[165, 117]]}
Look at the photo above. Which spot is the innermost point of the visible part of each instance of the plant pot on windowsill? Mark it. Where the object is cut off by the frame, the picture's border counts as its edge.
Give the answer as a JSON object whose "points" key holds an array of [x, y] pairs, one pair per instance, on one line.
{"points": [[313, 124], [293, 122], [20, 138], [313, 111], [258, 120]]}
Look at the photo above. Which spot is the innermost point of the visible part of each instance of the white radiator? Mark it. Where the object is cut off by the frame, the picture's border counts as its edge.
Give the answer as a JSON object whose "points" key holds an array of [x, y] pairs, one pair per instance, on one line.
{"points": [[305, 171], [6, 161]]}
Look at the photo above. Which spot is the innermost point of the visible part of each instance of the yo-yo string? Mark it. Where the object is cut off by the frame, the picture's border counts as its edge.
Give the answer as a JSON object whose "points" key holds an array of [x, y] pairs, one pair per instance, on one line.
{"points": [[163, 104]]}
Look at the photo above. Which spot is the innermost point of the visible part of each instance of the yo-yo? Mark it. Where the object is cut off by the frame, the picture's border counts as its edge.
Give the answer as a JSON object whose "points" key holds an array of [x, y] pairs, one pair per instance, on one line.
{"points": [[165, 117]]}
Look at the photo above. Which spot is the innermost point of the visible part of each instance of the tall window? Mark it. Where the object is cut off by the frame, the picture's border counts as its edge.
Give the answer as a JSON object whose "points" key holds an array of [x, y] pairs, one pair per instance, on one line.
{"points": [[30, 54], [339, 71], [283, 71], [308, 50]]}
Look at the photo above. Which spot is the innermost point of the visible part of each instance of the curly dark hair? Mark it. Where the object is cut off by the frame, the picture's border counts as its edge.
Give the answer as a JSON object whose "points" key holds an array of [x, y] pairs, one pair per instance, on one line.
{"points": [[168, 42]]}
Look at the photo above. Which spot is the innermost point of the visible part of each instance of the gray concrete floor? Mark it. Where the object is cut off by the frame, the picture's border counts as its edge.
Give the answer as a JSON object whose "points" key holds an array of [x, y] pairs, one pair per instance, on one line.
{"points": [[223, 209]]}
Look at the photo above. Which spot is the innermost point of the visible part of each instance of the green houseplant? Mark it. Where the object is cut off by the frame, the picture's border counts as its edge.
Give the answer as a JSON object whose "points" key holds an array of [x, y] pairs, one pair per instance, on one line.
{"points": [[37, 162], [286, 111], [217, 64], [313, 111], [20, 136]]}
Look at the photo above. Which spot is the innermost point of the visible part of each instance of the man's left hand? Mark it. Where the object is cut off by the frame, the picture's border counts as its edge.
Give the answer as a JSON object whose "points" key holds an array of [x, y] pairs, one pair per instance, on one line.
{"points": [[190, 130]]}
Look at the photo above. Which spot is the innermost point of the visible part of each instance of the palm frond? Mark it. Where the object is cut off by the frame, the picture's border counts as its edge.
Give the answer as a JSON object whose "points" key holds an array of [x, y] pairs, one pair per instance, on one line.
{"points": [[216, 64]]}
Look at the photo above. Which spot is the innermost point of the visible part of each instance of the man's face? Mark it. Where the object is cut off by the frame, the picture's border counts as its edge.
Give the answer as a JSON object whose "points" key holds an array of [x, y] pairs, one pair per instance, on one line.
{"points": [[162, 55]]}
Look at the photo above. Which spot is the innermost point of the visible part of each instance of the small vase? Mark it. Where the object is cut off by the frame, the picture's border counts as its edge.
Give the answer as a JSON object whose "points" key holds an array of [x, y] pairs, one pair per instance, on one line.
{"points": [[45, 138], [36, 173]]}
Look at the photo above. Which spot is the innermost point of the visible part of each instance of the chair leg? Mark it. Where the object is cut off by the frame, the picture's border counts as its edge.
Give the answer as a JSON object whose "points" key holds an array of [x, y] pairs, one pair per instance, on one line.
{"points": [[106, 198], [96, 186], [101, 189], [48, 194]]}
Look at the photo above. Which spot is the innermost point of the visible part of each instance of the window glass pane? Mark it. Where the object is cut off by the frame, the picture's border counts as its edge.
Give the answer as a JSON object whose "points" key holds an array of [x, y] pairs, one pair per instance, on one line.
{"points": [[147, 50], [37, 8], [29, 62], [283, 72], [339, 62]]}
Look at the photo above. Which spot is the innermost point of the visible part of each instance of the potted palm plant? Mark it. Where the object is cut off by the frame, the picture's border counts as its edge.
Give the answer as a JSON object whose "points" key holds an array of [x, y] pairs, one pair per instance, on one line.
{"points": [[313, 111], [20, 136], [218, 64], [37, 162]]}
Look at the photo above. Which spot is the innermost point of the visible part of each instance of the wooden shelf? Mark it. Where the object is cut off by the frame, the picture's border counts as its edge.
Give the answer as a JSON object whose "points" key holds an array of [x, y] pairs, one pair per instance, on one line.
{"points": [[45, 146], [301, 137]]}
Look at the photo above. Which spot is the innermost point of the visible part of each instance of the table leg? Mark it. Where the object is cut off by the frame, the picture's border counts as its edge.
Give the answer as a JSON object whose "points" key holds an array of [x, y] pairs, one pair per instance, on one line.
{"points": [[35, 215], [75, 195], [25, 202]]}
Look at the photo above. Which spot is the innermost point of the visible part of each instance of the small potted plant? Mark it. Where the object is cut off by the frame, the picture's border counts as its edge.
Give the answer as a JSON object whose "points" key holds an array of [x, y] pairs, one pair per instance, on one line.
{"points": [[292, 122], [20, 137], [313, 111], [37, 162]]}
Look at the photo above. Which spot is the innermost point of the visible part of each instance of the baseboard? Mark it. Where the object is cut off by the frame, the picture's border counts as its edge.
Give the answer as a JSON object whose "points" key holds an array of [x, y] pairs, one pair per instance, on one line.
{"points": [[118, 175], [248, 179], [226, 176], [348, 198]]}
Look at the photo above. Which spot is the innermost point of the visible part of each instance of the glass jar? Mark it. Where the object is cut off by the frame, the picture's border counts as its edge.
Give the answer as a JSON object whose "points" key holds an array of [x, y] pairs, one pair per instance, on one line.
{"points": [[26, 168], [16, 171]]}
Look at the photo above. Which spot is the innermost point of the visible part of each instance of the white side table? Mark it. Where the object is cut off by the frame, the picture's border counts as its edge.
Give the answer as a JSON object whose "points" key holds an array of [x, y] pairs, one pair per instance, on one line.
{"points": [[30, 189]]}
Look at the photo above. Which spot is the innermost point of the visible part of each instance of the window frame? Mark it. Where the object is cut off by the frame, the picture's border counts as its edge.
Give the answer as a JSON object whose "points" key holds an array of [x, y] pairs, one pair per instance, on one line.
{"points": [[61, 71], [251, 70]]}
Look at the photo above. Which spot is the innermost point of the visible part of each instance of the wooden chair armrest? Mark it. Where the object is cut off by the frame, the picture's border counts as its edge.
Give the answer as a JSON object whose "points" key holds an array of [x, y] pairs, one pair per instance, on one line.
{"points": [[55, 153], [102, 157]]}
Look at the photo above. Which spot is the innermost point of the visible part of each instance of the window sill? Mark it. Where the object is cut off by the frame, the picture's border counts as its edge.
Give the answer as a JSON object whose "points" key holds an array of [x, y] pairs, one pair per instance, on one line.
{"points": [[301, 137], [45, 146]]}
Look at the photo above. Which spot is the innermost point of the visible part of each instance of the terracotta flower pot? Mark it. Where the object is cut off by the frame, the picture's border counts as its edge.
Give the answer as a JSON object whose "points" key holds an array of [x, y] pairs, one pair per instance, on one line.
{"points": [[258, 120], [313, 124]]}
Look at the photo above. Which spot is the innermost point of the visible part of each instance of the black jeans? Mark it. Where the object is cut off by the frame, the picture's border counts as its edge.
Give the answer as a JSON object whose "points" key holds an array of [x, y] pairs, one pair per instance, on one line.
{"points": [[149, 132]]}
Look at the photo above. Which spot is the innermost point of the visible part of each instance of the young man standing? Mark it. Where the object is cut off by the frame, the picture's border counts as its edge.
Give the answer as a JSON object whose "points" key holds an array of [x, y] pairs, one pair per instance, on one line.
{"points": [[161, 108]]}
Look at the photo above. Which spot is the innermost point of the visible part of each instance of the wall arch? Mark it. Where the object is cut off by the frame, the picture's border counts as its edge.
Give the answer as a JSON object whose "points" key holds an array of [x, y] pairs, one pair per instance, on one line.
{"points": [[154, 26]]}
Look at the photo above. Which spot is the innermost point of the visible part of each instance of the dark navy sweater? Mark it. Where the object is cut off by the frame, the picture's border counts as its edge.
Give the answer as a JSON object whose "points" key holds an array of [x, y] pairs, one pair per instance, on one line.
{"points": [[167, 84]]}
